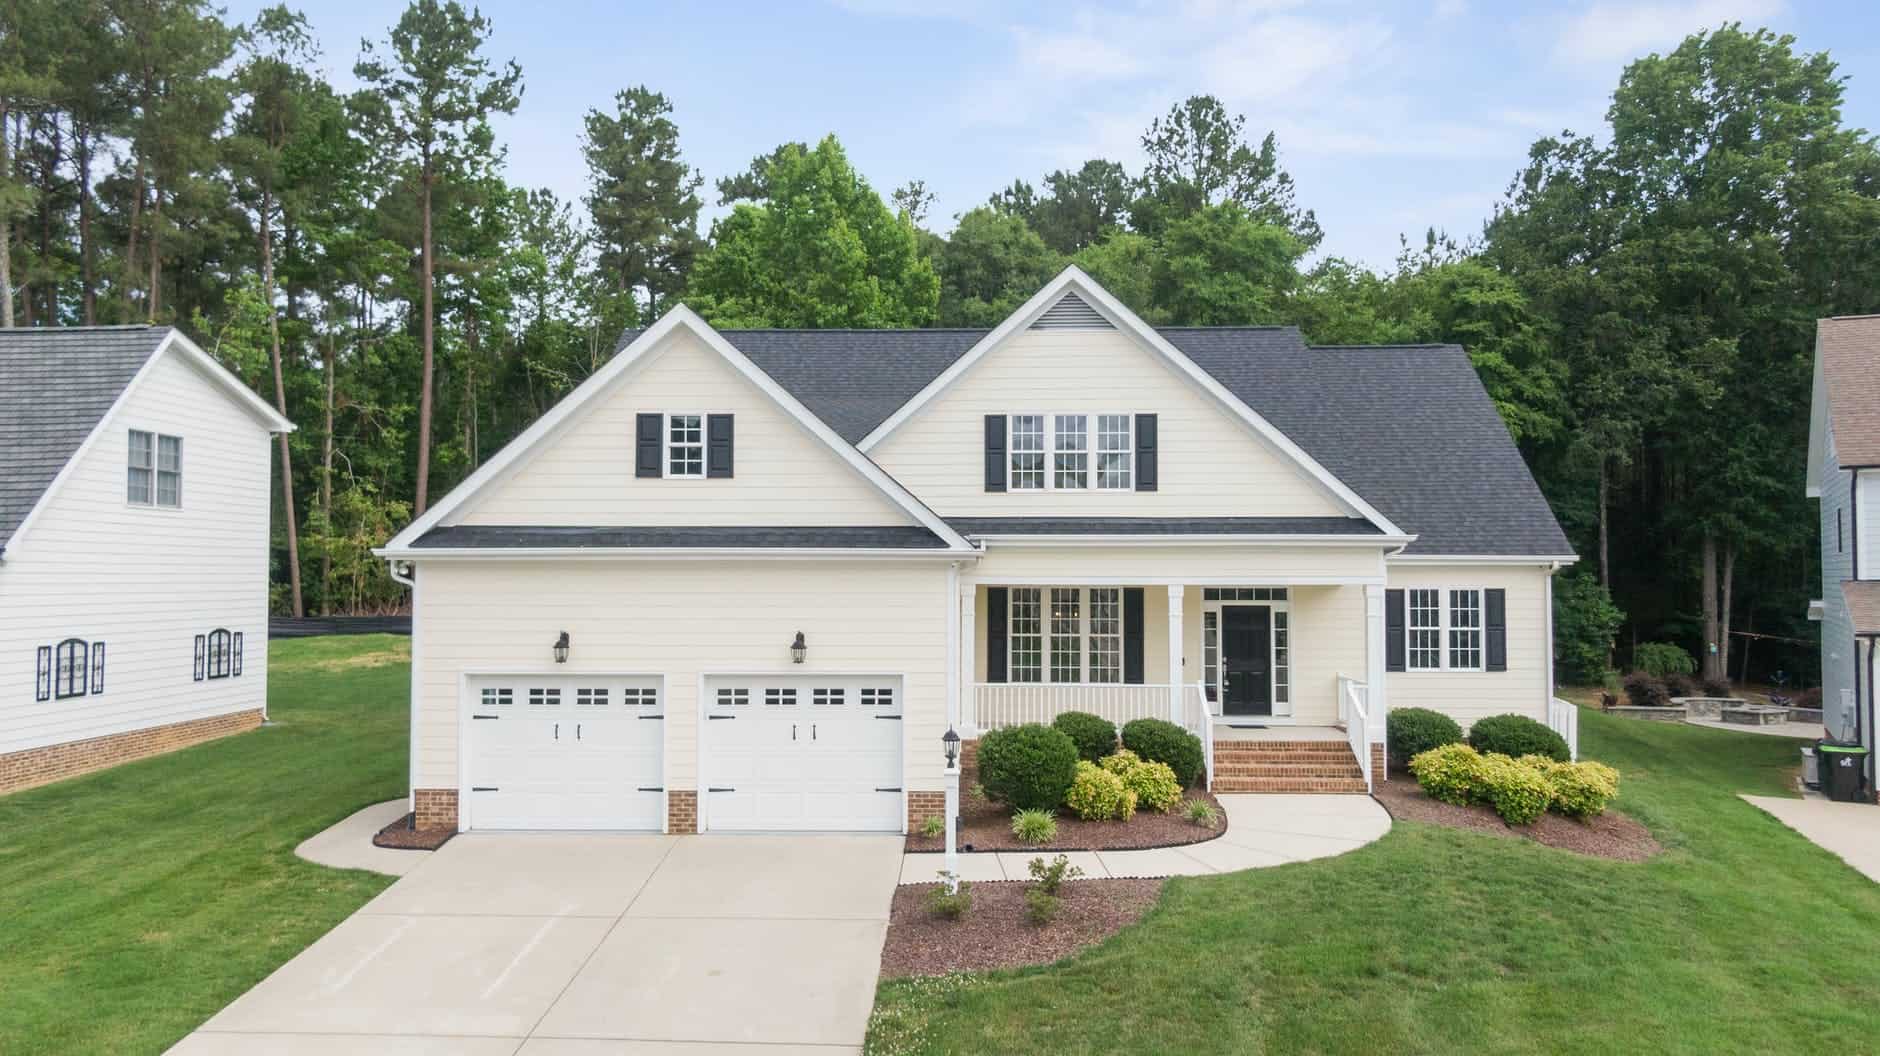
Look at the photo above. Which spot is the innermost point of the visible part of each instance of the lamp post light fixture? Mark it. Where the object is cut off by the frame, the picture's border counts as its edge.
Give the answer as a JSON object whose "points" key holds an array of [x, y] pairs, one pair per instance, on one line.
{"points": [[561, 648], [798, 649], [950, 744]]}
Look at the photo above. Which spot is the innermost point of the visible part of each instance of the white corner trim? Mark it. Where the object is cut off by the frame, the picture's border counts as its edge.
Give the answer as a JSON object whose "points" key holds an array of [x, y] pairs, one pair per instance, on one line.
{"points": [[1073, 278], [577, 401]]}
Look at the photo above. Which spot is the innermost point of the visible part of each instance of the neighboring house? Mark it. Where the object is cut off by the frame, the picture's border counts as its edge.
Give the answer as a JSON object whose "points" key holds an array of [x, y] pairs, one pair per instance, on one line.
{"points": [[1844, 473], [745, 580], [134, 504]]}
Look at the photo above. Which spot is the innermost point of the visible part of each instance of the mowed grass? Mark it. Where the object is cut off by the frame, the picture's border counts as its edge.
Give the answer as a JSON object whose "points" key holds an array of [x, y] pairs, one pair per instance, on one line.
{"points": [[1742, 937], [135, 903]]}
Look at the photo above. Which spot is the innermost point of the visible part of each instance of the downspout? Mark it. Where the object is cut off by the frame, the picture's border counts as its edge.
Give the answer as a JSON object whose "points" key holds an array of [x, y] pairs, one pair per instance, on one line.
{"points": [[409, 577]]}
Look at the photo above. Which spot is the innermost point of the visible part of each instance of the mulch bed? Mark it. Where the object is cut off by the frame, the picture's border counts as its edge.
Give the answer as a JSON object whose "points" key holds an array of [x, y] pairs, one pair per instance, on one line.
{"points": [[995, 932], [1610, 835], [987, 826], [400, 836]]}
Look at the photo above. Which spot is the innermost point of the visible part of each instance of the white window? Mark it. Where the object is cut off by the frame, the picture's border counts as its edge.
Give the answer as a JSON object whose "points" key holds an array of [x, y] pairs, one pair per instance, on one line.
{"points": [[685, 445], [1443, 629], [1078, 638], [1067, 634], [169, 471], [1465, 630], [1106, 634], [1026, 636], [1425, 630], [141, 485], [1027, 448], [1071, 452], [1282, 672], [154, 470], [1211, 651], [1114, 452]]}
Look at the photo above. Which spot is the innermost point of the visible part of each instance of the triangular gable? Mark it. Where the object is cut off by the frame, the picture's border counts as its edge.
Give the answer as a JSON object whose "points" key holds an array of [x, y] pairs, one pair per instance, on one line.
{"points": [[1049, 307], [517, 452]]}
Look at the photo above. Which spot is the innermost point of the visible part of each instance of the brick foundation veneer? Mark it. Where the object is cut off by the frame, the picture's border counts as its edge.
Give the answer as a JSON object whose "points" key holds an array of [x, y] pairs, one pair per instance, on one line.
{"points": [[56, 762], [1379, 772], [436, 808], [924, 805], [681, 810]]}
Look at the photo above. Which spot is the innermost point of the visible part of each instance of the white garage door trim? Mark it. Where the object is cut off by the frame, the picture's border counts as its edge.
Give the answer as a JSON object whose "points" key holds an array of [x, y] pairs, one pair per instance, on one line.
{"points": [[702, 767], [467, 702]]}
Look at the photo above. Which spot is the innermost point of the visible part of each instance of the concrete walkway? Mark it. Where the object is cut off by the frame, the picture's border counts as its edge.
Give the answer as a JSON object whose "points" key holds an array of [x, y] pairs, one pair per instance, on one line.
{"points": [[539, 944], [348, 845], [1262, 830], [1850, 830]]}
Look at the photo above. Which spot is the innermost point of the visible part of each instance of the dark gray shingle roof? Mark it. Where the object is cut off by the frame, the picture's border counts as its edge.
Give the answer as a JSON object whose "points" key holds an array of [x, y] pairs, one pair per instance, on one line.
{"points": [[55, 386], [890, 537], [980, 526]]}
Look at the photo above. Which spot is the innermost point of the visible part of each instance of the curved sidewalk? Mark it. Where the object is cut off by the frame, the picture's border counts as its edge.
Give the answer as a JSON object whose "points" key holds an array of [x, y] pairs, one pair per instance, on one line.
{"points": [[348, 845], [1262, 830]]}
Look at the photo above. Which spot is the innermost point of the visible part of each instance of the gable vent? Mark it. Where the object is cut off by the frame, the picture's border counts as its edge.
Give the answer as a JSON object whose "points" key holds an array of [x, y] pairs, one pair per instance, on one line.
{"points": [[1072, 312]]}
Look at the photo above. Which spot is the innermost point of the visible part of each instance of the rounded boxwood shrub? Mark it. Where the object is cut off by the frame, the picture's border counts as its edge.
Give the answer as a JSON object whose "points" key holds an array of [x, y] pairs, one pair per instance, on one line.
{"points": [[1450, 773], [1094, 735], [1154, 784], [1161, 741], [1580, 790], [1518, 792], [1099, 795], [1029, 767], [1413, 731], [1517, 735]]}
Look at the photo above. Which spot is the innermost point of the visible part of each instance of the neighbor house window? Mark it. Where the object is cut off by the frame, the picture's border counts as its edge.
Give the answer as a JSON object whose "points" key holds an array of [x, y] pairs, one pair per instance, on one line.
{"points": [[1443, 629], [72, 658], [221, 653], [1078, 638], [685, 445], [1085, 451], [154, 474]]}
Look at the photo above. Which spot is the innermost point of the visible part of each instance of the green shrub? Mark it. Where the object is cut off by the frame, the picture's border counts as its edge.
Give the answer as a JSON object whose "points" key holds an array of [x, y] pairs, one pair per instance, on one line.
{"points": [[950, 904], [1680, 685], [1450, 773], [1094, 735], [933, 825], [1050, 877], [1646, 691], [1413, 731], [1719, 687], [1518, 792], [1041, 908], [1034, 826], [1154, 784], [1161, 741], [1580, 790], [1098, 795], [1028, 767], [1662, 658], [1517, 735], [1201, 812], [1120, 761], [1585, 621]]}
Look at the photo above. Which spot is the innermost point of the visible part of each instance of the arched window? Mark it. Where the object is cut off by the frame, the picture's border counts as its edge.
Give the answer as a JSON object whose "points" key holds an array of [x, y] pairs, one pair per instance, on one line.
{"points": [[220, 652], [72, 658]]}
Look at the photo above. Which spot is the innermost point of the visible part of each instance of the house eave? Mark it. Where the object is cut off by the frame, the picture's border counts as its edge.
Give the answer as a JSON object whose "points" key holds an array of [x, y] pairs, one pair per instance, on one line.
{"points": [[671, 553], [1486, 559], [1034, 541]]}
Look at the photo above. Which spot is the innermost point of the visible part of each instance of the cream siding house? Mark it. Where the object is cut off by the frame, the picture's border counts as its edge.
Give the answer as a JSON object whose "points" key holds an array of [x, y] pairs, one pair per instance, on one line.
{"points": [[745, 580], [134, 505]]}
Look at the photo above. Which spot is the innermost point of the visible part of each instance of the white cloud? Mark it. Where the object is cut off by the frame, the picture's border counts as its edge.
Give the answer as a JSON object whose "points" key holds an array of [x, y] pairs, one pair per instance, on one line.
{"points": [[1609, 32]]}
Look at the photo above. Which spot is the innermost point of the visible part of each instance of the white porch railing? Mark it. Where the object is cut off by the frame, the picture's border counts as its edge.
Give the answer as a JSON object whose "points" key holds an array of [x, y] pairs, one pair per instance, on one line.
{"points": [[1355, 712], [1564, 719], [1200, 722], [997, 704]]}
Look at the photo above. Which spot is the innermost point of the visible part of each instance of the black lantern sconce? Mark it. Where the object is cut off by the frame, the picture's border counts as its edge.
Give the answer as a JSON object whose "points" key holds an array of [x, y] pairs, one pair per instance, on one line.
{"points": [[561, 648], [798, 649], [950, 742]]}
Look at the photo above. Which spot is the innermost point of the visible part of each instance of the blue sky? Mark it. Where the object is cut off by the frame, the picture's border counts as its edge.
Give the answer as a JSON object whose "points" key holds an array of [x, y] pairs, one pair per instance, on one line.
{"points": [[1393, 115]]}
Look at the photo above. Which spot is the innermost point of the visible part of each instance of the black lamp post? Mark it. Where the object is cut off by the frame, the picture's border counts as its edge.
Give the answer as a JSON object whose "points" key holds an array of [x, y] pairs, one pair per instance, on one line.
{"points": [[798, 649], [950, 741], [561, 648]]}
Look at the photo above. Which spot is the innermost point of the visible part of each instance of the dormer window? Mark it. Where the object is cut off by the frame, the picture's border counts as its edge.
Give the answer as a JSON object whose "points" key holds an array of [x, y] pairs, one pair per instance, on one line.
{"points": [[1085, 451]]}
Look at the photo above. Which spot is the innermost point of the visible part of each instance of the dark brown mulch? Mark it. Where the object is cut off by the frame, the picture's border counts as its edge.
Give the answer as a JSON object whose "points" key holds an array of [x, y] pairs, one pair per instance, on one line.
{"points": [[987, 826], [400, 836], [995, 932], [1610, 835]]}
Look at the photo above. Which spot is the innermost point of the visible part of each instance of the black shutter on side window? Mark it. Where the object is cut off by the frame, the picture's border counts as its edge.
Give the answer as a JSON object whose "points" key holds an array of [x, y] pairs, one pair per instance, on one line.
{"points": [[995, 633], [646, 445], [1145, 452], [97, 667], [1132, 635], [202, 655], [1393, 630], [718, 445], [42, 686], [1495, 621], [995, 452]]}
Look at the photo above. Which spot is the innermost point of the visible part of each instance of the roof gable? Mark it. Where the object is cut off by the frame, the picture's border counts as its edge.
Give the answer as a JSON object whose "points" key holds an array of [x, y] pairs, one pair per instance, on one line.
{"points": [[1846, 394]]}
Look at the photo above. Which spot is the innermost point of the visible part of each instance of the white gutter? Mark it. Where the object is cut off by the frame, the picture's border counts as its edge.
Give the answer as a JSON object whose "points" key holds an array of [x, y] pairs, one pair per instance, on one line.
{"points": [[1033, 539], [666, 553]]}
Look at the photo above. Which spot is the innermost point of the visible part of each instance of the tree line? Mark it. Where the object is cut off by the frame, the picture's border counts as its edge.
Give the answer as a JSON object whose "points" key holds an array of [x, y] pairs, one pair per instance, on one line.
{"points": [[1640, 306]]}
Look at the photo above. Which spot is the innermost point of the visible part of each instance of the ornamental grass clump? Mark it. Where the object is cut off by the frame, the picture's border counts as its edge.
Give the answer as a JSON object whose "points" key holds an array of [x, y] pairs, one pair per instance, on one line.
{"points": [[1201, 812], [1034, 826], [1099, 795]]}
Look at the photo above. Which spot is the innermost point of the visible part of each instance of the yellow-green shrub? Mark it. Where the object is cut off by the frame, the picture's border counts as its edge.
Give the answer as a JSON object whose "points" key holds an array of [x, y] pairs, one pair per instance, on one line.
{"points": [[1097, 794], [1120, 761], [1154, 783], [1518, 792], [1450, 773], [1581, 790]]}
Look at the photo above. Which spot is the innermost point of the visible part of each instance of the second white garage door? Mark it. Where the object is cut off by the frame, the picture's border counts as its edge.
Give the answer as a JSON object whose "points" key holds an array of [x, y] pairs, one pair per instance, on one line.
{"points": [[802, 754]]}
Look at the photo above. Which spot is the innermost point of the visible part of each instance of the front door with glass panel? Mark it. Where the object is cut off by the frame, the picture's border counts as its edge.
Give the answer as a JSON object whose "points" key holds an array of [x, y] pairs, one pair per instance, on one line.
{"points": [[1246, 660]]}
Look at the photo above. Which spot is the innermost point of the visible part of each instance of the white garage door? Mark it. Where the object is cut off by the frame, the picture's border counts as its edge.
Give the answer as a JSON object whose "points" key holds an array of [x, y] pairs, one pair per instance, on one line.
{"points": [[803, 754], [566, 753]]}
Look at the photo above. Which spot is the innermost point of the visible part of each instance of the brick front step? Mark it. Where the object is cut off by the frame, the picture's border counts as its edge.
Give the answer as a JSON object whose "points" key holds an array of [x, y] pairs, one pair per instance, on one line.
{"points": [[1295, 758], [1348, 770], [1288, 784], [1286, 766]]}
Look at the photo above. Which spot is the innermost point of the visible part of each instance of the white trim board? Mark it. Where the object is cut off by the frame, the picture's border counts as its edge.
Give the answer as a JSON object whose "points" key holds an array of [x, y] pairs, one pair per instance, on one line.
{"points": [[668, 553], [1072, 279], [649, 343]]}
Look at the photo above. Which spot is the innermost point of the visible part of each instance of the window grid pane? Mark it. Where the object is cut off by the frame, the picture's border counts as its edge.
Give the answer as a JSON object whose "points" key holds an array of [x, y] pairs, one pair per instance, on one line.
{"points": [[1072, 452], [1026, 637], [1211, 652], [141, 463], [1465, 629], [1106, 634], [1027, 452], [1281, 659], [1425, 631], [169, 471], [685, 445], [1114, 450], [1067, 628]]}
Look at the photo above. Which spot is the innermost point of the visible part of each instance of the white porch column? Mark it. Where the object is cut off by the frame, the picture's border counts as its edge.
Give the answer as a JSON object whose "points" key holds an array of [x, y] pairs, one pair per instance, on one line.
{"points": [[968, 705], [1175, 592], [1374, 702]]}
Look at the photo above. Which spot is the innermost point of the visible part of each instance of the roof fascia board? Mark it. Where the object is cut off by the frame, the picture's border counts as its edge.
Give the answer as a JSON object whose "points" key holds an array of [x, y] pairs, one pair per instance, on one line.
{"points": [[669, 553], [1243, 541], [1484, 559]]}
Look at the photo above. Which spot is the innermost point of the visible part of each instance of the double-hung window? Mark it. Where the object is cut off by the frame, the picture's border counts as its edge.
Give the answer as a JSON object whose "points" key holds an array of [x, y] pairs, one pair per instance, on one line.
{"points": [[1027, 447], [685, 445], [1114, 452], [1443, 629], [1071, 452], [154, 470], [1065, 634]]}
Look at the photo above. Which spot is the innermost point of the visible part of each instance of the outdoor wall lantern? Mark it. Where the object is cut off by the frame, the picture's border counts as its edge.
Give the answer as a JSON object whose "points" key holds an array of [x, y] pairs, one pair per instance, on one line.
{"points": [[798, 649], [951, 741], [561, 648]]}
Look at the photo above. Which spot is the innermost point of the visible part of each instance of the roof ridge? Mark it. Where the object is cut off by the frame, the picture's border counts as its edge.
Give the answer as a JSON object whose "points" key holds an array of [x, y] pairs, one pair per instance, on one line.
{"points": [[82, 328]]}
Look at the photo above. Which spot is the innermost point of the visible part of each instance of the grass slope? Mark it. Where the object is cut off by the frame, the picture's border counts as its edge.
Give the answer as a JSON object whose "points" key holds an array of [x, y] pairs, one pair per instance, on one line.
{"points": [[135, 903], [1435, 940]]}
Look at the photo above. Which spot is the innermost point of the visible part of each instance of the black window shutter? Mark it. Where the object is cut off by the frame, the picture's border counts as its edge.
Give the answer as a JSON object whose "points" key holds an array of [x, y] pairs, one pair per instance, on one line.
{"points": [[1132, 635], [1495, 620], [1145, 453], [202, 655], [995, 452], [718, 445], [42, 685], [995, 634], [237, 648], [1393, 630], [646, 429], [97, 667]]}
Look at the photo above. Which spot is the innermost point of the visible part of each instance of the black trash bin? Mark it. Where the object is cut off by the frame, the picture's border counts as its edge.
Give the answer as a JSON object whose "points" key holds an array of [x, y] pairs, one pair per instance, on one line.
{"points": [[1843, 767]]}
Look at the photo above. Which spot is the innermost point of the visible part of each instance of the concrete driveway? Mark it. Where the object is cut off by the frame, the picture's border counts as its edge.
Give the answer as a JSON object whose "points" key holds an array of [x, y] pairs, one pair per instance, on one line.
{"points": [[584, 945]]}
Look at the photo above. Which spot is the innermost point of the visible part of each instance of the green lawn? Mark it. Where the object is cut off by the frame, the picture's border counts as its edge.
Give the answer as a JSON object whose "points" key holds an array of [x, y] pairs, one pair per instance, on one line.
{"points": [[137, 902], [1438, 941]]}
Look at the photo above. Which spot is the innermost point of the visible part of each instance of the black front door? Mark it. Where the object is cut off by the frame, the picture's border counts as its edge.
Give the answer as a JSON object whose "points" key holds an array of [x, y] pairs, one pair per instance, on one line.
{"points": [[1246, 652]]}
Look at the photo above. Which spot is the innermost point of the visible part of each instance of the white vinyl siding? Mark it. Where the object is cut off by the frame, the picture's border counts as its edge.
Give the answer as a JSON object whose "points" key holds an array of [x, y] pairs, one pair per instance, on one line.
{"points": [[584, 474], [1209, 463], [1467, 695], [144, 580]]}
